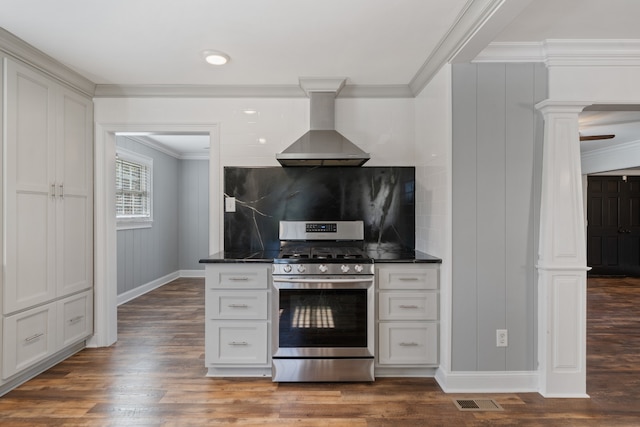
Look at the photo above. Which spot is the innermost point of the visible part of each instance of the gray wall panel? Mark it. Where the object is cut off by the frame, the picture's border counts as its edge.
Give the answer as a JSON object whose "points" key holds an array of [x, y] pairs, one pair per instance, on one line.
{"points": [[179, 237], [464, 340], [194, 213], [497, 139], [490, 205], [147, 254]]}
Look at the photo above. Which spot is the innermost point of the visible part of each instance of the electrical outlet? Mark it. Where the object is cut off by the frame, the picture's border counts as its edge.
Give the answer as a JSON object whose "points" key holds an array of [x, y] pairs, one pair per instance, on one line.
{"points": [[502, 338]]}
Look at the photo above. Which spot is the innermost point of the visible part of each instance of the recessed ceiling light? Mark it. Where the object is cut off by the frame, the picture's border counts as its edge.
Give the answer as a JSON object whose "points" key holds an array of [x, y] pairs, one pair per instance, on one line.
{"points": [[249, 111], [215, 58]]}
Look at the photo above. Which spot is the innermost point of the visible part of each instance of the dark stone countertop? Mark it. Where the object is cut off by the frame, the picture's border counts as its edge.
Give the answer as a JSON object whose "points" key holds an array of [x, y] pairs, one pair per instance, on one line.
{"points": [[378, 255]]}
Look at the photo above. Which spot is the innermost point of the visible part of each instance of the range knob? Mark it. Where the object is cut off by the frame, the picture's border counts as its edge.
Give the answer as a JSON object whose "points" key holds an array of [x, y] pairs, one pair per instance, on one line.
{"points": [[323, 268], [287, 268], [344, 268], [301, 268], [358, 268]]}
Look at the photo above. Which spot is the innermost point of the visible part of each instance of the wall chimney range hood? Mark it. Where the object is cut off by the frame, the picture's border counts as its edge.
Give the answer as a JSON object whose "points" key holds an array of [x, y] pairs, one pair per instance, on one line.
{"points": [[322, 145]]}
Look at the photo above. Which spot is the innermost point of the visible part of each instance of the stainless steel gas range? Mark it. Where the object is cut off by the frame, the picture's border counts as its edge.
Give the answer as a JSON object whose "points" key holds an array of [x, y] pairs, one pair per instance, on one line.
{"points": [[323, 304]]}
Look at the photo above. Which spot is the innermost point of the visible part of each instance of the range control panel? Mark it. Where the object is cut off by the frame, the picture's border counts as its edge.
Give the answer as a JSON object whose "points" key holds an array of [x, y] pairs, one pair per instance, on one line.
{"points": [[314, 227]]}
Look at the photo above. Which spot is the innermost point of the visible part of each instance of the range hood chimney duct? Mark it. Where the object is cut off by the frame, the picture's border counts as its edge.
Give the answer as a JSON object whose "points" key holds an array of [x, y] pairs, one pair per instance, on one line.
{"points": [[322, 145]]}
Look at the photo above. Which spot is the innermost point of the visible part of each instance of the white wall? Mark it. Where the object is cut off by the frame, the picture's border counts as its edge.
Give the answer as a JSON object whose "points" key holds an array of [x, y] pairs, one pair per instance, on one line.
{"points": [[383, 127], [433, 188]]}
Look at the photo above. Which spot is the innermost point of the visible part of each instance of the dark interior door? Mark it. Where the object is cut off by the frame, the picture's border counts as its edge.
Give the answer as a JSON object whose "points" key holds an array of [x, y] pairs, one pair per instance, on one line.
{"points": [[613, 225]]}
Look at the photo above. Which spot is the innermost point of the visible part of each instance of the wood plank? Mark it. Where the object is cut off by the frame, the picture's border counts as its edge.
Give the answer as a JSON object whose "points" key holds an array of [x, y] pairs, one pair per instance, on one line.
{"points": [[155, 375]]}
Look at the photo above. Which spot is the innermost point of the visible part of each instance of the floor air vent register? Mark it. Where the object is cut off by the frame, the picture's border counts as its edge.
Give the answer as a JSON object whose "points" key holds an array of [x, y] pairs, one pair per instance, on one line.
{"points": [[477, 405]]}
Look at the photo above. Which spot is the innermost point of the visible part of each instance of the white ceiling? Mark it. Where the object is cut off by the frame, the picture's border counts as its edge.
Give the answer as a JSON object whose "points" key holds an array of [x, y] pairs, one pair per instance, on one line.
{"points": [[275, 42]]}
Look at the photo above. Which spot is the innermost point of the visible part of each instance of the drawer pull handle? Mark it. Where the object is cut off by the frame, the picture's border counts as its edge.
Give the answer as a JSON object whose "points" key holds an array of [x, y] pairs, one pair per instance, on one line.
{"points": [[238, 305], [238, 343], [409, 344], [75, 319], [33, 337], [238, 279], [409, 279], [413, 307]]}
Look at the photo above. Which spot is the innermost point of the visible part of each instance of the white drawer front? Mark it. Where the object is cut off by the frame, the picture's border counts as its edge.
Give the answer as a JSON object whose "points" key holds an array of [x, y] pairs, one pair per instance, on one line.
{"points": [[408, 305], [77, 318], [238, 343], [28, 338], [233, 277], [408, 277], [238, 305], [408, 343]]}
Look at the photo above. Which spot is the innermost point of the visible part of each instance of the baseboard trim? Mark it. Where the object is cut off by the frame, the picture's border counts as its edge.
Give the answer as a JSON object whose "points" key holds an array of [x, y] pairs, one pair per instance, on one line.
{"points": [[148, 287], [155, 284], [40, 367], [192, 273], [488, 382]]}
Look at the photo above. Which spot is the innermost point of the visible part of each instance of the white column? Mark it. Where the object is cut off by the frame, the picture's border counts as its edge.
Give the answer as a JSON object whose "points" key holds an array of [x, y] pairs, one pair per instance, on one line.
{"points": [[562, 268]]}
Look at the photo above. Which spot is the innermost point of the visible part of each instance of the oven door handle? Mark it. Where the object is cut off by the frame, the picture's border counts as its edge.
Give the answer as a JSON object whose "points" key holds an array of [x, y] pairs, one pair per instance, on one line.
{"points": [[325, 280]]}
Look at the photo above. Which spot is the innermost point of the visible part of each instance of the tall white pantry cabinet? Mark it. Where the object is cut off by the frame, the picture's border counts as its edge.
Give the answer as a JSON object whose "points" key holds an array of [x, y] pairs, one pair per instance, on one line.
{"points": [[47, 217]]}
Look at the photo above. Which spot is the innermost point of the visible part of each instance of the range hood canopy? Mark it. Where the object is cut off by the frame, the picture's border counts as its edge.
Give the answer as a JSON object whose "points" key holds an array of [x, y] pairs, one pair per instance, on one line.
{"points": [[322, 145]]}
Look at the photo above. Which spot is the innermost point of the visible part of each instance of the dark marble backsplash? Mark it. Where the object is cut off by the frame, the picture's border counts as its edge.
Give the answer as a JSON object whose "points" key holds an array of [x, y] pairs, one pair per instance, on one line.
{"points": [[382, 197]]}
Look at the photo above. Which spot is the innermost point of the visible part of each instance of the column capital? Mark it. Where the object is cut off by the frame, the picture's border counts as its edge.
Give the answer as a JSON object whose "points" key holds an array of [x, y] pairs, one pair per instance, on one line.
{"points": [[551, 106]]}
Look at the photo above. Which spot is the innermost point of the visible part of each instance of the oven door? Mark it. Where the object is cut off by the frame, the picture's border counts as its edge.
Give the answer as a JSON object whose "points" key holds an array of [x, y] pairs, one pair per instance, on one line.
{"points": [[323, 317]]}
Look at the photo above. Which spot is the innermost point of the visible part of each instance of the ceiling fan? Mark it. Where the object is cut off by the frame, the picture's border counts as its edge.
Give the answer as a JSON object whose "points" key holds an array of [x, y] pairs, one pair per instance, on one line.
{"points": [[595, 137]]}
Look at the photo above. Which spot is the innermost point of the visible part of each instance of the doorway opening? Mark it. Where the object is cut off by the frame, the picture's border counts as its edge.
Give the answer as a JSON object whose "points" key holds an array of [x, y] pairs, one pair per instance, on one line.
{"points": [[613, 224], [105, 230], [173, 235]]}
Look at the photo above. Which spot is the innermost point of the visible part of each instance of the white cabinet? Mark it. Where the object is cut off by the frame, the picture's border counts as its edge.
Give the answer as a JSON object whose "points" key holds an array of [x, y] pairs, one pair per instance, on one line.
{"points": [[35, 334], [238, 343], [408, 315], [237, 319], [75, 318], [48, 189], [47, 212], [28, 337]]}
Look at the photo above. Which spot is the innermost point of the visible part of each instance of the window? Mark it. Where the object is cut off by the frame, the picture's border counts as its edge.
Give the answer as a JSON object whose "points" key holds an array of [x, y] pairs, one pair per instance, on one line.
{"points": [[133, 190]]}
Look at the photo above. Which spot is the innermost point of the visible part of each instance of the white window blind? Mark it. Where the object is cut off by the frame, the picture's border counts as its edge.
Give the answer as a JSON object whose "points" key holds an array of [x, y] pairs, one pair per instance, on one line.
{"points": [[133, 187]]}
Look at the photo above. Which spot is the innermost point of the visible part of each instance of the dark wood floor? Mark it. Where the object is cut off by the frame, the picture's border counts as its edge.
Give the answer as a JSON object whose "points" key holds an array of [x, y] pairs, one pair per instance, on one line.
{"points": [[154, 375]]}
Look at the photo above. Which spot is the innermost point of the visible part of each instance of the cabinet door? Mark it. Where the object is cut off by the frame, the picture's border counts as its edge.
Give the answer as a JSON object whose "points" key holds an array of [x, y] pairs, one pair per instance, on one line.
{"points": [[408, 343], [407, 277], [74, 215], [237, 343], [235, 305], [29, 165], [28, 338], [408, 305], [237, 276], [75, 321]]}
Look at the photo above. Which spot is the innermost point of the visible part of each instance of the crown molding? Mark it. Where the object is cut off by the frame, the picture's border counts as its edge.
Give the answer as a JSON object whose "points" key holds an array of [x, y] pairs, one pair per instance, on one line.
{"points": [[211, 91], [473, 17], [21, 50], [566, 53], [197, 91]]}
